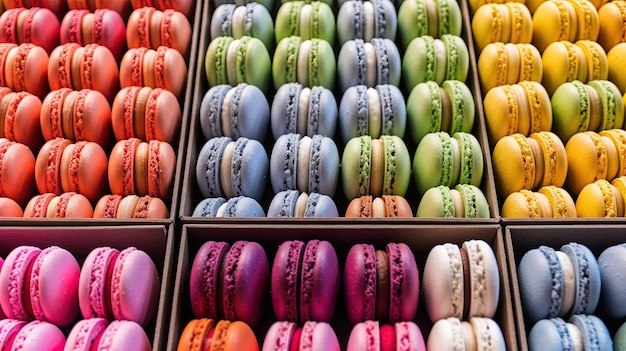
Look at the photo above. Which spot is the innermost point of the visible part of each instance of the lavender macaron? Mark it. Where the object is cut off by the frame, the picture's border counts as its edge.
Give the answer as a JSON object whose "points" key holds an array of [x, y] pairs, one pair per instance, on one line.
{"points": [[227, 168], [236, 207], [292, 203], [303, 110], [307, 164], [240, 111]]}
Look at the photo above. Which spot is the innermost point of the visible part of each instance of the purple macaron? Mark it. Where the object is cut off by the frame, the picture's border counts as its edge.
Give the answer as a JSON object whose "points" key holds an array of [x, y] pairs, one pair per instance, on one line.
{"points": [[307, 164], [228, 168]]}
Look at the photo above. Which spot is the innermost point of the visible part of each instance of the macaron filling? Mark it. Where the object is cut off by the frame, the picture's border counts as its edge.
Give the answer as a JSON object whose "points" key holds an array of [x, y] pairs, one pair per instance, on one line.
{"points": [[315, 163], [382, 61], [391, 159]]}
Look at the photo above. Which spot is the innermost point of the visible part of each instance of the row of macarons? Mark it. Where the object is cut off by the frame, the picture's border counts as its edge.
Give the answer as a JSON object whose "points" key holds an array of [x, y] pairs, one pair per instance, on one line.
{"points": [[123, 7], [572, 20], [369, 166], [368, 335], [146, 27], [50, 285], [304, 280], [29, 68]]}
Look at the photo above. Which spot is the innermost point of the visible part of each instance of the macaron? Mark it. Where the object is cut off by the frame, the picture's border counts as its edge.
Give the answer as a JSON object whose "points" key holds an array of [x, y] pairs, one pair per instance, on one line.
{"points": [[306, 19], [118, 284], [37, 25], [147, 114], [427, 58], [462, 201], [563, 61], [131, 206], [19, 118], [373, 111], [58, 7], [597, 62], [611, 263], [40, 284], [502, 22], [303, 110], [66, 205], [432, 108], [307, 164], [102, 26], [163, 67], [478, 332], [17, 167], [122, 7], [380, 284], [564, 20], [10, 208], [235, 207], [461, 281], [619, 341], [375, 167], [92, 66], [152, 28], [600, 199], [441, 159], [32, 336], [232, 61], [25, 68], [76, 115], [9, 329], [618, 137], [252, 19], [240, 111], [521, 162], [291, 203], [370, 63], [428, 17], [269, 4], [308, 62], [515, 62], [142, 168], [228, 168], [98, 333], [590, 157], [230, 281], [526, 204], [616, 58], [185, 7], [386, 206], [371, 335], [305, 281], [208, 333], [283, 335], [366, 20], [579, 332], [523, 108]]}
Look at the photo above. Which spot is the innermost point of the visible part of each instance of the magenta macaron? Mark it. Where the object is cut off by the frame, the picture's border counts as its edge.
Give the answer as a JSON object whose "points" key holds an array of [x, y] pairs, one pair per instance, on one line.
{"points": [[229, 281], [381, 285], [305, 281], [121, 285], [40, 284]]}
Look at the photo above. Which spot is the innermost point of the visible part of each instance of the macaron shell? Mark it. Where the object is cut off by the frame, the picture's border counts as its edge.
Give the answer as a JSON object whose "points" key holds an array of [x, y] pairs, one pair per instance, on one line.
{"points": [[285, 272], [318, 336], [588, 280], [610, 262], [359, 282], [319, 281], [443, 282], [409, 336], [18, 170], [84, 333], [122, 335], [98, 70], [204, 281], [92, 284], [405, 285], [39, 335], [485, 279], [8, 330], [13, 281], [29, 70], [21, 122], [594, 331], [10, 208], [231, 336], [135, 287]]}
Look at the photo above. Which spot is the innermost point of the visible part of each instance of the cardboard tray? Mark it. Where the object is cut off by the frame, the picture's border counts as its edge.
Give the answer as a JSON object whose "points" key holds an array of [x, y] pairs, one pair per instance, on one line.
{"points": [[156, 240], [518, 239], [420, 238], [191, 195], [180, 147]]}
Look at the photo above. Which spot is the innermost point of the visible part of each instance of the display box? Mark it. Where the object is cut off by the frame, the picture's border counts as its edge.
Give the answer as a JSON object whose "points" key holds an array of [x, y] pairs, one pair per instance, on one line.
{"points": [[419, 238], [191, 194], [519, 239], [156, 240]]}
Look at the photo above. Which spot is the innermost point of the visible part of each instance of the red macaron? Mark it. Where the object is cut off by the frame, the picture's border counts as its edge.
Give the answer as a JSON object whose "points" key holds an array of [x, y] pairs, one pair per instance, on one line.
{"points": [[36, 25], [102, 26], [131, 206], [66, 205], [24, 68], [151, 28], [19, 118], [17, 171]]}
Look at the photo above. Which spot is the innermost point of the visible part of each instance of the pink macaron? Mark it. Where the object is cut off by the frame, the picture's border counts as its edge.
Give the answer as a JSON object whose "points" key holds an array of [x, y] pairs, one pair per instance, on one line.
{"points": [[32, 336], [372, 336], [287, 336], [381, 285], [40, 284], [95, 334], [305, 281], [122, 285]]}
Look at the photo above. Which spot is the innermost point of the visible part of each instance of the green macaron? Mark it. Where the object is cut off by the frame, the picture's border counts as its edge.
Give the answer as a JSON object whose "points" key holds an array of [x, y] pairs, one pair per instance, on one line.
{"points": [[573, 109], [612, 105], [306, 20], [308, 62], [428, 17], [375, 167], [462, 201], [234, 61]]}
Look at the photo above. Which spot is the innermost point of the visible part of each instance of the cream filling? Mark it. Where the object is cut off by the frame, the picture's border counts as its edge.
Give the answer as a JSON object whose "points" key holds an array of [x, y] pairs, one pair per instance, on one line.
{"points": [[569, 282], [374, 113], [302, 75], [369, 20], [303, 163], [303, 111], [225, 170], [238, 22], [306, 14], [231, 59], [371, 62], [225, 116]]}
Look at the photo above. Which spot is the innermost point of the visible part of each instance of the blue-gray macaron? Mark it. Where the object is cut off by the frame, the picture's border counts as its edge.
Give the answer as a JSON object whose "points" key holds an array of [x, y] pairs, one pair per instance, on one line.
{"points": [[237, 20], [292, 203], [594, 332], [612, 265], [303, 110], [554, 334], [588, 279], [240, 206], [227, 168], [368, 63], [240, 111], [365, 20], [307, 164]]}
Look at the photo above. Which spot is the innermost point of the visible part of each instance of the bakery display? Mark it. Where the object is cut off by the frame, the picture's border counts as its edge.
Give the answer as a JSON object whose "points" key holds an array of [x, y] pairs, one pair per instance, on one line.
{"points": [[252, 19], [283, 335], [305, 281], [371, 335], [366, 20], [230, 281], [386, 206], [303, 110], [292, 203]]}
